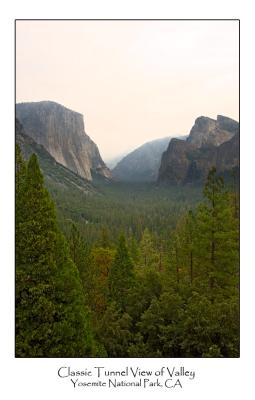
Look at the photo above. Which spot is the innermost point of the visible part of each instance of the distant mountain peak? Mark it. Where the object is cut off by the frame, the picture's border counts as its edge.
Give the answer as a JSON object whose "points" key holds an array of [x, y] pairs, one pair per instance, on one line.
{"points": [[141, 164], [210, 143], [208, 131]]}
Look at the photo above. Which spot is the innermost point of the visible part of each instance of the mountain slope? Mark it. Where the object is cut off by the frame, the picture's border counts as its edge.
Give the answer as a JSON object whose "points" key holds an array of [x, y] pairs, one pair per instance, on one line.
{"points": [[210, 143], [61, 132], [142, 164], [56, 175], [113, 161]]}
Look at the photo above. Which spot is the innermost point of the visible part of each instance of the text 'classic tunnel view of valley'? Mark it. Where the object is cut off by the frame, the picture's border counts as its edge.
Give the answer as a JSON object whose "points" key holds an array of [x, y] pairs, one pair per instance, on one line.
{"points": [[127, 188]]}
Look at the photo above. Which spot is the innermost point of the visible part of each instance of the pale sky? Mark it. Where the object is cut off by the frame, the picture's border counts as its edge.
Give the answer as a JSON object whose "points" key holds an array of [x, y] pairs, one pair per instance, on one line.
{"points": [[133, 81]]}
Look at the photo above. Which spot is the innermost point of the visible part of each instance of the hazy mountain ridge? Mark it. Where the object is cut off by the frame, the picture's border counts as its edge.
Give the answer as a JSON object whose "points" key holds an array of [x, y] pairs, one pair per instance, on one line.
{"points": [[61, 132], [181, 160], [142, 164], [111, 162]]}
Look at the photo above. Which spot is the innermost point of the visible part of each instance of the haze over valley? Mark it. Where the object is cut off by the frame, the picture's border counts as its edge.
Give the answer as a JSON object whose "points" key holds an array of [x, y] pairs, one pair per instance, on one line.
{"points": [[185, 159]]}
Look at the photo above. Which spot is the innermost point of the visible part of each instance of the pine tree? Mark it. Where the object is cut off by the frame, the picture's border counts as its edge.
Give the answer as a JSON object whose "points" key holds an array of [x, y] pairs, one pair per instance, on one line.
{"points": [[175, 258], [20, 175], [134, 249], [80, 254], [98, 273], [114, 331], [76, 245], [104, 240], [184, 247], [148, 255], [217, 236], [51, 319], [121, 274]]}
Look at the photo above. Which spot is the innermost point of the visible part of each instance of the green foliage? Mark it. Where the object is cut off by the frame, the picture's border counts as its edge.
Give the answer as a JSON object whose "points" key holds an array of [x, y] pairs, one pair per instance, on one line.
{"points": [[98, 290], [121, 274], [148, 255], [159, 325], [51, 319], [147, 286], [210, 329], [104, 240], [217, 236], [167, 287], [118, 207], [113, 331], [134, 249]]}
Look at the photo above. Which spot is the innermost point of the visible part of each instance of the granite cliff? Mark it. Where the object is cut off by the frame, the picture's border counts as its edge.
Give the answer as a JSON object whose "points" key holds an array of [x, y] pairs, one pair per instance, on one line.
{"points": [[207, 131], [55, 174], [210, 143], [61, 132]]}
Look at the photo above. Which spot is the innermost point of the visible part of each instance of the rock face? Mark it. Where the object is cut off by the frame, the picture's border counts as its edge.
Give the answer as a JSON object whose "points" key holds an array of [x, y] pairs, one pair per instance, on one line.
{"points": [[142, 164], [55, 174], [210, 143], [174, 162], [207, 131], [61, 132]]}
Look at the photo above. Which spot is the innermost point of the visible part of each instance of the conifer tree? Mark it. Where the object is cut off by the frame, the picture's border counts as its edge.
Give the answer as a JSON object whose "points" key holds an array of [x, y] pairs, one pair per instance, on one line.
{"points": [[20, 175], [149, 257], [114, 331], [217, 235], [121, 274], [51, 320], [104, 238], [76, 245], [134, 249], [98, 273], [80, 254], [184, 247]]}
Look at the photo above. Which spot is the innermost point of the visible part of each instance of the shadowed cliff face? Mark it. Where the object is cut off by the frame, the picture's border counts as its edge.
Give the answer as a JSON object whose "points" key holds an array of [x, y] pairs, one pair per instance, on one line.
{"points": [[174, 162], [210, 143], [61, 132]]}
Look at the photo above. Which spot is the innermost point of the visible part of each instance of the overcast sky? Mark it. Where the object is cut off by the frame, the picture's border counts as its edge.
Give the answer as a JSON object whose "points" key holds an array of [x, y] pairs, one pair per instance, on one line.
{"points": [[134, 81]]}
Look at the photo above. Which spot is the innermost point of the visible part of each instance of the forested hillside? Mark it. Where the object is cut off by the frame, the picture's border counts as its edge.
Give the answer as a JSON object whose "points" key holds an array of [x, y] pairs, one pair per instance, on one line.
{"points": [[131, 271]]}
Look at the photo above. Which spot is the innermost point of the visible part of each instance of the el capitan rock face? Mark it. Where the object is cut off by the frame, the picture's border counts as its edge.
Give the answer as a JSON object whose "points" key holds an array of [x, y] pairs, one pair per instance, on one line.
{"points": [[210, 143], [55, 174], [61, 132]]}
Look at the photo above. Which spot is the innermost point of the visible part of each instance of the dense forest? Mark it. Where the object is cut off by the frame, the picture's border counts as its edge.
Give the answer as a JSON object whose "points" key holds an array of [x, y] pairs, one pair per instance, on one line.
{"points": [[133, 270]]}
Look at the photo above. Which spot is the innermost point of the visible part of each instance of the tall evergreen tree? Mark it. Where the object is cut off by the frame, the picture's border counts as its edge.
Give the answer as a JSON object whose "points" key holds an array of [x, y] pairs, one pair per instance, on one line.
{"points": [[51, 320], [80, 253], [104, 240], [20, 175], [148, 255], [217, 235], [98, 287], [134, 249], [121, 274], [183, 254]]}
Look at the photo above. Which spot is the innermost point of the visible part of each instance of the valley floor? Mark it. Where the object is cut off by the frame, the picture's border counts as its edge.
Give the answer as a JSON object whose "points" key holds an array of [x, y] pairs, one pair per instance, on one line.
{"points": [[140, 271]]}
